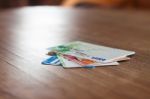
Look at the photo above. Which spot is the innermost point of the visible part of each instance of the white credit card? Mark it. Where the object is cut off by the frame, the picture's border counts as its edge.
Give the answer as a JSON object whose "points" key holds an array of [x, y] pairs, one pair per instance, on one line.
{"points": [[66, 63], [95, 52], [71, 64]]}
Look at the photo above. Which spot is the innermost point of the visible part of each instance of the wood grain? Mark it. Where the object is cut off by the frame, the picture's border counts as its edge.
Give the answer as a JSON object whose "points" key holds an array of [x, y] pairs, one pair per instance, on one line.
{"points": [[25, 33]]}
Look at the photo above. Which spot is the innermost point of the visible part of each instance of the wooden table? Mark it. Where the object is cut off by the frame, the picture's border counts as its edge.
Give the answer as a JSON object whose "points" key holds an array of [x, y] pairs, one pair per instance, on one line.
{"points": [[25, 34]]}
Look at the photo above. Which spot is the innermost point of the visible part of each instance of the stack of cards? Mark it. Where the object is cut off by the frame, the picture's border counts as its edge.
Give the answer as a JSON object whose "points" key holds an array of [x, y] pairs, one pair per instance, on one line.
{"points": [[82, 54]]}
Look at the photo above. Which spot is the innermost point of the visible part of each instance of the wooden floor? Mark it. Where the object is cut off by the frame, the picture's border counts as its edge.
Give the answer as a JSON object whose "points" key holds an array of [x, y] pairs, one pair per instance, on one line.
{"points": [[25, 34]]}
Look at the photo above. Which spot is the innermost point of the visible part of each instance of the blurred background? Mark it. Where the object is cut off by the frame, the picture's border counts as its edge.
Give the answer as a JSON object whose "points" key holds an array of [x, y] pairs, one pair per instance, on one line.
{"points": [[111, 4]]}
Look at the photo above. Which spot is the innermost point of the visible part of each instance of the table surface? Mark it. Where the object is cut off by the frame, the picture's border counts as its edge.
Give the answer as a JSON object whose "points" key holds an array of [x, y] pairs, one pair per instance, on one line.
{"points": [[25, 33]]}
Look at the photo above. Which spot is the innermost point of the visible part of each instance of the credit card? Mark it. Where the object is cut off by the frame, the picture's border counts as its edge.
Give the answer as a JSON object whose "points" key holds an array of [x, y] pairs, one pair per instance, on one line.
{"points": [[98, 53], [51, 60], [71, 62]]}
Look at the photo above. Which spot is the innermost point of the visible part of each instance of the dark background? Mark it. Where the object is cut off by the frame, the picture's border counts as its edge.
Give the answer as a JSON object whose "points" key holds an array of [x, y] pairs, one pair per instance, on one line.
{"points": [[136, 4]]}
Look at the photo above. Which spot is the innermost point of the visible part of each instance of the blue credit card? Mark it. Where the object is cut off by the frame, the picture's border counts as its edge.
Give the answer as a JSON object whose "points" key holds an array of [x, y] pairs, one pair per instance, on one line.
{"points": [[51, 60]]}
